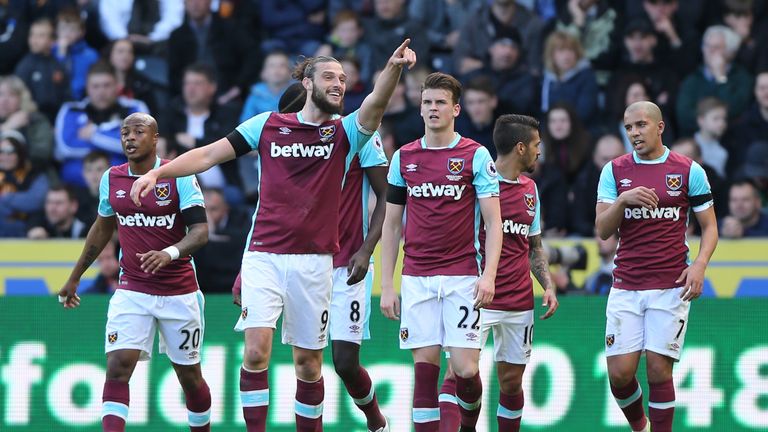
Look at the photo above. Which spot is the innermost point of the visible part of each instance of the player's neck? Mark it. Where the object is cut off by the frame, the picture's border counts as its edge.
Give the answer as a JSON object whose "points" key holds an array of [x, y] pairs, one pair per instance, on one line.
{"points": [[312, 114], [508, 169], [439, 138], [654, 154], [143, 166]]}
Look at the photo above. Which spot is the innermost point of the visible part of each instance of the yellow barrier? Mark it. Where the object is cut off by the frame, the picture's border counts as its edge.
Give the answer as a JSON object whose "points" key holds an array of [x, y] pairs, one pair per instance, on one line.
{"points": [[736, 264]]}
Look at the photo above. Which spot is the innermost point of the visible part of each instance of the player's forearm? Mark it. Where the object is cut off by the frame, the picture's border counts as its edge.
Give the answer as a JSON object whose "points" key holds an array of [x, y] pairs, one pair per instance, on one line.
{"points": [[373, 107], [390, 242], [493, 240], [197, 160], [539, 262], [98, 237], [197, 237], [709, 237], [375, 227], [608, 221]]}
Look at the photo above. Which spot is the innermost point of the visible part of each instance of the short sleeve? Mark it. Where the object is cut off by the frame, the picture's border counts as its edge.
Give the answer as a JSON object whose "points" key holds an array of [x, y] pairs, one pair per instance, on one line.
{"points": [[536, 225], [606, 188], [105, 208], [190, 194], [698, 186], [356, 133], [251, 129], [372, 153], [395, 177], [486, 181]]}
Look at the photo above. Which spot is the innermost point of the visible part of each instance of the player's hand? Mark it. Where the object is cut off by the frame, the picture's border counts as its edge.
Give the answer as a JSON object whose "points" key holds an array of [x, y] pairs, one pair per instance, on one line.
{"points": [[550, 302], [390, 304], [236, 299], [404, 56], [153, 261], [358, 267], [237, 289], [142, 186], [68, 294], [641, 196], [693, 276], [484, 291]]}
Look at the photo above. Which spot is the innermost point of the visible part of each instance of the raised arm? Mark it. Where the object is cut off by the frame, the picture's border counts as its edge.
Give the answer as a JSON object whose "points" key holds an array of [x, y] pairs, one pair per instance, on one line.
{"points": [[372, 109]]}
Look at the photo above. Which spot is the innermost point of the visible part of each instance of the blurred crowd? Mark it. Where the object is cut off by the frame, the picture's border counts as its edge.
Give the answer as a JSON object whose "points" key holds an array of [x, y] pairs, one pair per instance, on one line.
{"points": [[71, 70]]}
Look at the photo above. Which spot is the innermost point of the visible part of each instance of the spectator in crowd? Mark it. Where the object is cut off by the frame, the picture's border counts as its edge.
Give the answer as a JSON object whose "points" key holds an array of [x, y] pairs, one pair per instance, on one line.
{"points": [[745, 217], [601, 281], [389, 25], [718, 77], [346, 41], [147, 24], [18, 112], [597, 26], [690, 148], [403, 118], [357, 89], [195, 120], [296, 27], [73, 51], [58, 219], [751, 127], [106, 282], [221, 43], [496, 21], [553, 197], [632, 88], [22, 187], [739, 16], [93, 123], [756, 169], [131, 83], [13, 44], [478, 116], [227, 231], [712, 117], [443, 21], [95, 164], [414, 78], [678, 37], [566, 142], [607, 148], [275, 78], [568, 77], [45, 77]]}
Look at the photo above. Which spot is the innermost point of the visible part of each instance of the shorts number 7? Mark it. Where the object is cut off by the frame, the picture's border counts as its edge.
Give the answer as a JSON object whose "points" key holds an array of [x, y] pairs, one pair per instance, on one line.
{"points": [[682, 325]]}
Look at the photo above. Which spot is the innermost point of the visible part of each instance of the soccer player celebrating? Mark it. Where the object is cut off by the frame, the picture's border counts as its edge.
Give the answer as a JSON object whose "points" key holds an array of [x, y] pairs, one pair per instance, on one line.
{"points": [[510, 315], [446, 182], [646, 196], [157, 285], [288, 264]]}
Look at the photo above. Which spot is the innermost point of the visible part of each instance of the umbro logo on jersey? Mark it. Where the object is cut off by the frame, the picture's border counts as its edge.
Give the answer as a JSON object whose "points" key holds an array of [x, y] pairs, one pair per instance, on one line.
{"points": [[625, 182], [411, 167], [284, 131], [120, 194], [301, 150]]}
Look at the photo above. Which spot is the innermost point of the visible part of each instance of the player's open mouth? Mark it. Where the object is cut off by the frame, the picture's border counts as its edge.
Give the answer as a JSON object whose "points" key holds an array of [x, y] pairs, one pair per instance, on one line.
{"points": [[130, 148], [637, 142]]}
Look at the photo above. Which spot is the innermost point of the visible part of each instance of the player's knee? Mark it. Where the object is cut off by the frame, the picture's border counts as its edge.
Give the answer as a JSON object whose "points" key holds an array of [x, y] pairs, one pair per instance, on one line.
{"points": [[308, 367], [466, 370], [190, 379], [659, 371], [620, 376], [119, 368], [346, 367], [255, 357], [511, 382]]}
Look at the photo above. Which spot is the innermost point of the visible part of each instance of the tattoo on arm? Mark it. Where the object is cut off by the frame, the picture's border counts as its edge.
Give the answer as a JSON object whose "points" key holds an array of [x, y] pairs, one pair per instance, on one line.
{"points": [[539, 262], [90, 255]]}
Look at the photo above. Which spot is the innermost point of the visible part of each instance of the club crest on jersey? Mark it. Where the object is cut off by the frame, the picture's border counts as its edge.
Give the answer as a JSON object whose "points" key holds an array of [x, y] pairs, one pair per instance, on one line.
{"points": [[674, 181], [404, 334], [112, 337], [455, 165], [163, 191], [530, 201], [609, 340], [327, 132], [244, 313]]}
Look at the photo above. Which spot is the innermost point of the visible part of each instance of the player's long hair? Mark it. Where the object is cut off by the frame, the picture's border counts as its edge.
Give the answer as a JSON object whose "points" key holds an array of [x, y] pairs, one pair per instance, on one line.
{"points": [[439, 80], [306, 67], [511, 129]]}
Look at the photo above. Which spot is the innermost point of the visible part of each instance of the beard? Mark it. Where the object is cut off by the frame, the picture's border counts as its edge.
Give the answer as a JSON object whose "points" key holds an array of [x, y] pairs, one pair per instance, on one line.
{"points": [[322, 102]]}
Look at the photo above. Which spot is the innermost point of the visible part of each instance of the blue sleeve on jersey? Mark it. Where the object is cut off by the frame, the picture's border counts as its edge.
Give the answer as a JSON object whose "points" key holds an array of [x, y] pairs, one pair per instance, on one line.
{"points": [[486, 180], [395, 177], [251, 129], [697, 181], [105, 208], [536, 226], [357, 135], [606, 188], [372, 153], [190, 194]]}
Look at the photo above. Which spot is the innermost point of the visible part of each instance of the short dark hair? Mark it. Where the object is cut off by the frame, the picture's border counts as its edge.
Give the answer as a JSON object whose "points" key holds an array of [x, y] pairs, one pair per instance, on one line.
{"points": [[747, 182], [481, 83], [202, 69], [293, 99], [443, 81], [708, 104], [511, 129], [71, 196], [101, 67], [95, 155], [306, 68]]}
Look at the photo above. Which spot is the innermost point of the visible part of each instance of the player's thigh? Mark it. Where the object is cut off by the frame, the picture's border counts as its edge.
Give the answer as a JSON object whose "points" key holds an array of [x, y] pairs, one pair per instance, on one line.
{"points": [[461, 321], [420, 312], [350, 308], [512, 335], [666, 322], [130, 324], [307, 301], [263, 290], [181, 321], [624, 325]]}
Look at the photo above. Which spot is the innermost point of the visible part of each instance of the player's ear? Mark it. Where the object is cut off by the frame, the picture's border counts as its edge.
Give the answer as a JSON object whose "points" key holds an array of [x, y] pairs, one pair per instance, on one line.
{"points": [[456, 110], [662, 126], [307, 83]]}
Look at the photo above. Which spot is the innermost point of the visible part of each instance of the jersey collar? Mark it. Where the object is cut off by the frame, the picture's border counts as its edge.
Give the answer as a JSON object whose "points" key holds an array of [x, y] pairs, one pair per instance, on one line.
{"points": [[157, 164], [659, 160], [451, 145]]}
